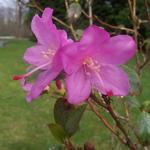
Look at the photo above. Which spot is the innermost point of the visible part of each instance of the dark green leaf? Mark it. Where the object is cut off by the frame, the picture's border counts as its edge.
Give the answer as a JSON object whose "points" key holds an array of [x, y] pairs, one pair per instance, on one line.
{"points": [[144, 126], [134, 81], [132, 101], [72, 123], [62, 111], [68, 116], [58, 132]]}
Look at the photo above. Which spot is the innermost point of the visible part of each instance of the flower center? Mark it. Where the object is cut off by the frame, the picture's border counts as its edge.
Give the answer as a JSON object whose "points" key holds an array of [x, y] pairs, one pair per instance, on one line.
{"points": [[91, 65], [47, 54]]}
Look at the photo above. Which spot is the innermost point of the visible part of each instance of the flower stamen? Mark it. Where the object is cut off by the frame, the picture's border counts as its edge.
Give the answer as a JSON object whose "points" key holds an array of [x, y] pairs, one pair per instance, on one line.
{"points": [[47, 54], [31, 72], [91, 64]]}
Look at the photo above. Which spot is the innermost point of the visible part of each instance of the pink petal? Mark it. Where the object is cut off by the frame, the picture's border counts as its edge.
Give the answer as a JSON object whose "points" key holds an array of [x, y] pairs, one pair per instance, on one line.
{"points": [[57, 62], [47, 15], [35, 55], [94, 35], [78, 87], [117, 50], [71, 58], [111, 79], [64, 38], [40, 84], [25, 85], [45, 33]]}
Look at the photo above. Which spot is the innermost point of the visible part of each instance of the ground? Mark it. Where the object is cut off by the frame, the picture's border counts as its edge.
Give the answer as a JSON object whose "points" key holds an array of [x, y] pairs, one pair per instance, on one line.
{"points": [[23, 126]]}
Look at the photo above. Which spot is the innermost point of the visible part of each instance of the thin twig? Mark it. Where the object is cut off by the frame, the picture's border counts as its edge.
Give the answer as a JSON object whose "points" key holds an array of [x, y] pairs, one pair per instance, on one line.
{"points": [[144, 64], [90, 11], [106, 24], [105, 122], [147, 10], [118, 124], [136, 25], [99, 102], [70, 24], [68, 144]]}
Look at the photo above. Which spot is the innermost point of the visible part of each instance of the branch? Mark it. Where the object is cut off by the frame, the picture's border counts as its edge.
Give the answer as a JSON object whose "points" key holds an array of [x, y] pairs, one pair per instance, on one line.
{"points": [[118, 124], [68, 144], [99, 102], [106, 24], [136, 24], [144, 64], [107, 125], [90, 11], [147, 10], [70, 24]]}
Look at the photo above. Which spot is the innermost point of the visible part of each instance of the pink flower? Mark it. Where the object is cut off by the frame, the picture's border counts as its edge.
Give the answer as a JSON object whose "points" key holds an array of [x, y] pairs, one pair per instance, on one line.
{"points": [[44, 56], [93, 63]]}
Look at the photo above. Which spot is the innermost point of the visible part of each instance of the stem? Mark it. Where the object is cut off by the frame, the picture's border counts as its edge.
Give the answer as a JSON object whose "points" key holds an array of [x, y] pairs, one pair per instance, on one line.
{"points": [[99, 102], [118, 124], [106, 24], [68, 144], [90, 11], [135, 22], [70, 24], [107, 125], [147, 10]]}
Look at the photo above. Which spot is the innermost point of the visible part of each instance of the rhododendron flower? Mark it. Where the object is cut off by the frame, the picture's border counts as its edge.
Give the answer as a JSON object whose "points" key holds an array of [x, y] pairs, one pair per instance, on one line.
{"points": [[94, 61], [44, 56]]}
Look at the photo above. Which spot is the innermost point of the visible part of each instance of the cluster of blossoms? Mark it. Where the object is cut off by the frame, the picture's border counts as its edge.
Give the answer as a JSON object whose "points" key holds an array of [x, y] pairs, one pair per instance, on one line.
{"points": [[91, 63]]}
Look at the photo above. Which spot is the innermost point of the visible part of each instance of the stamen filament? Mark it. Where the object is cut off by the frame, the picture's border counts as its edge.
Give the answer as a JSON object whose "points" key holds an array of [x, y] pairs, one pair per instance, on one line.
{"points": [[31, 72]]}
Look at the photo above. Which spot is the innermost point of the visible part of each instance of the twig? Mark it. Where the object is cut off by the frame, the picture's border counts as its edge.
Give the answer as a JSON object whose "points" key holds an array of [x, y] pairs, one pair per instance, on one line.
{"points": [[107, 125], [118, 124], [90, 11], [68, 144], [99, 102], [136, 24], [106, 24], [147, 10], [70, 24], [144, 64]]}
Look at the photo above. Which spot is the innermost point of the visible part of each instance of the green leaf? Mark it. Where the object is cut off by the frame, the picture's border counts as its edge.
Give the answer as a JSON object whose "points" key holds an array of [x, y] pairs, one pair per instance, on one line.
{"points": [[58, 132], [144, 127], [132, 101], [72, 123], [146, 106], [134, 81], [68, 116]]}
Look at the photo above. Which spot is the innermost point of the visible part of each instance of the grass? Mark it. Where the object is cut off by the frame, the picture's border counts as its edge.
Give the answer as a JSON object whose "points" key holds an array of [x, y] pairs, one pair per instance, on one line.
{"points": [[23, 126]]}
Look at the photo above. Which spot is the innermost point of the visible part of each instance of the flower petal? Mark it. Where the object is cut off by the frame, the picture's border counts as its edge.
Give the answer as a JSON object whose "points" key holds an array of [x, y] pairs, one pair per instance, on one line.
{"points": [[40, 84], [94, 35], [78, 87], [116, 50], [25, 85], [35, 55], [47, 15], [71, 58], [111, 79], [45, 33], [64, 38]]}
